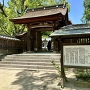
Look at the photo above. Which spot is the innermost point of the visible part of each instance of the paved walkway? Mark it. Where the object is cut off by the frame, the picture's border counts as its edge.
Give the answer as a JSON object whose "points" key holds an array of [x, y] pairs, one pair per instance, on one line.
{"points": [[33, 80]]}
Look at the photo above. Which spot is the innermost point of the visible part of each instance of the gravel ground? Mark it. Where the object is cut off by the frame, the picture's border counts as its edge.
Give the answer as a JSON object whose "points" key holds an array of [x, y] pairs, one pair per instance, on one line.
{"points": [[34, 80]]}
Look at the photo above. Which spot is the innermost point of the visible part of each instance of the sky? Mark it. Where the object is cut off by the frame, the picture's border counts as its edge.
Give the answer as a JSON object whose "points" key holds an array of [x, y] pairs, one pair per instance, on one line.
{"points": [[76, 10]]}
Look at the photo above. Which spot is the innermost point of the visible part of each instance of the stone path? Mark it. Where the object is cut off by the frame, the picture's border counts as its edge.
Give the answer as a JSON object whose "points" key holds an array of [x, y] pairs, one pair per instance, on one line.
{"points": [[33, 80]]}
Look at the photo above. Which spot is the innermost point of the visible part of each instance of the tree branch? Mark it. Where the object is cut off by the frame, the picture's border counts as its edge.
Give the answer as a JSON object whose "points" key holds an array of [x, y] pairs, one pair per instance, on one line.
{"points": [[2, 10]]}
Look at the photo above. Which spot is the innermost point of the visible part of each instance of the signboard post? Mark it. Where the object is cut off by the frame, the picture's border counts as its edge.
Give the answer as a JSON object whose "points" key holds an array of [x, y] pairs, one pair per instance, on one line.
{"points": [[62, 67], [63, 78]]}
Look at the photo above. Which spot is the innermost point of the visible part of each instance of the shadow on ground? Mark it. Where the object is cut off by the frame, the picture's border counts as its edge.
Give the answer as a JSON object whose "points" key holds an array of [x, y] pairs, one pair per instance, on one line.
{"points": [[35, 80], [38, 80]]}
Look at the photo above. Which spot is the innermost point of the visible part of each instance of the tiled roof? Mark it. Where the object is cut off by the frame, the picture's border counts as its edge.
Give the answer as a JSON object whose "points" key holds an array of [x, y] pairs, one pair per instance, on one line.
{"points": [[77, 29], [44, 11], [8, 37]]}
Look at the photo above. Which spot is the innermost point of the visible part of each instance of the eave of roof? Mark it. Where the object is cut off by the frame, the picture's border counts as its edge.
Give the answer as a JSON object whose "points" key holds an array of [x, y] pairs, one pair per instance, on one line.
{"points": [[72, 30], [8, 37], [35, 19]]}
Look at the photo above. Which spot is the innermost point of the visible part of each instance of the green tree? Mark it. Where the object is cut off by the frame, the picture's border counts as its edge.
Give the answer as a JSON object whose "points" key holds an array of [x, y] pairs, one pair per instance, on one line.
{"points": [[17, 8], [86, 15]]}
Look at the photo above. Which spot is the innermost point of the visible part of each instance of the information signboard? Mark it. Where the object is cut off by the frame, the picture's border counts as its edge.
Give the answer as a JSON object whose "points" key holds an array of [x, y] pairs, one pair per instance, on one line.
{"points": [[76, 55]]}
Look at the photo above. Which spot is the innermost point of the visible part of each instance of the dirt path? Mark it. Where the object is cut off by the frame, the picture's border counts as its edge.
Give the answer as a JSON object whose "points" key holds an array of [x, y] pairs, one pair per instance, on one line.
{"points": [[33, 80]]}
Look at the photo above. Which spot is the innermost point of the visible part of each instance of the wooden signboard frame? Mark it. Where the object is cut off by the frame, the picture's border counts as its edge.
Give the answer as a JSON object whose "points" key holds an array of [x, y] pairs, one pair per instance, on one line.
{"points": [[76, 55]]}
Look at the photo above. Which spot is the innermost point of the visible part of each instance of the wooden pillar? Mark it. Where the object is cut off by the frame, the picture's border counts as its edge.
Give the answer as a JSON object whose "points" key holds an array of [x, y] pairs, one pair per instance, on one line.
{"points": [[24, 44], [59, 47], [55, 45], [33, 39], [35, 42], [38, 41], [54, 39], [28, 38]]}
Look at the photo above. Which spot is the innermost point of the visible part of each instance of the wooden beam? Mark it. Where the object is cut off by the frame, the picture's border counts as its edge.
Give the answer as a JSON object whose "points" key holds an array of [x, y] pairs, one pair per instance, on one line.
{"points": [[37, 19]]}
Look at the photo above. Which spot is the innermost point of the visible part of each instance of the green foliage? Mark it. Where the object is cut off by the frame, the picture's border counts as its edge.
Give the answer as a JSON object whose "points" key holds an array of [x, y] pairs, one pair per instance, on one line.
{"points": [[83, 76], [17, 8], [46, 34], [86, 15]]}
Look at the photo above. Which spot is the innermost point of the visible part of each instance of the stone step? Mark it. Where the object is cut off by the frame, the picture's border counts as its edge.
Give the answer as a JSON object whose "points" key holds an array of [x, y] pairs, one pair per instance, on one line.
{"points": [[35, 58], [37, 54], [27, 63], [31, 57], [43, 61], [30, 61], [30, 67]]}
